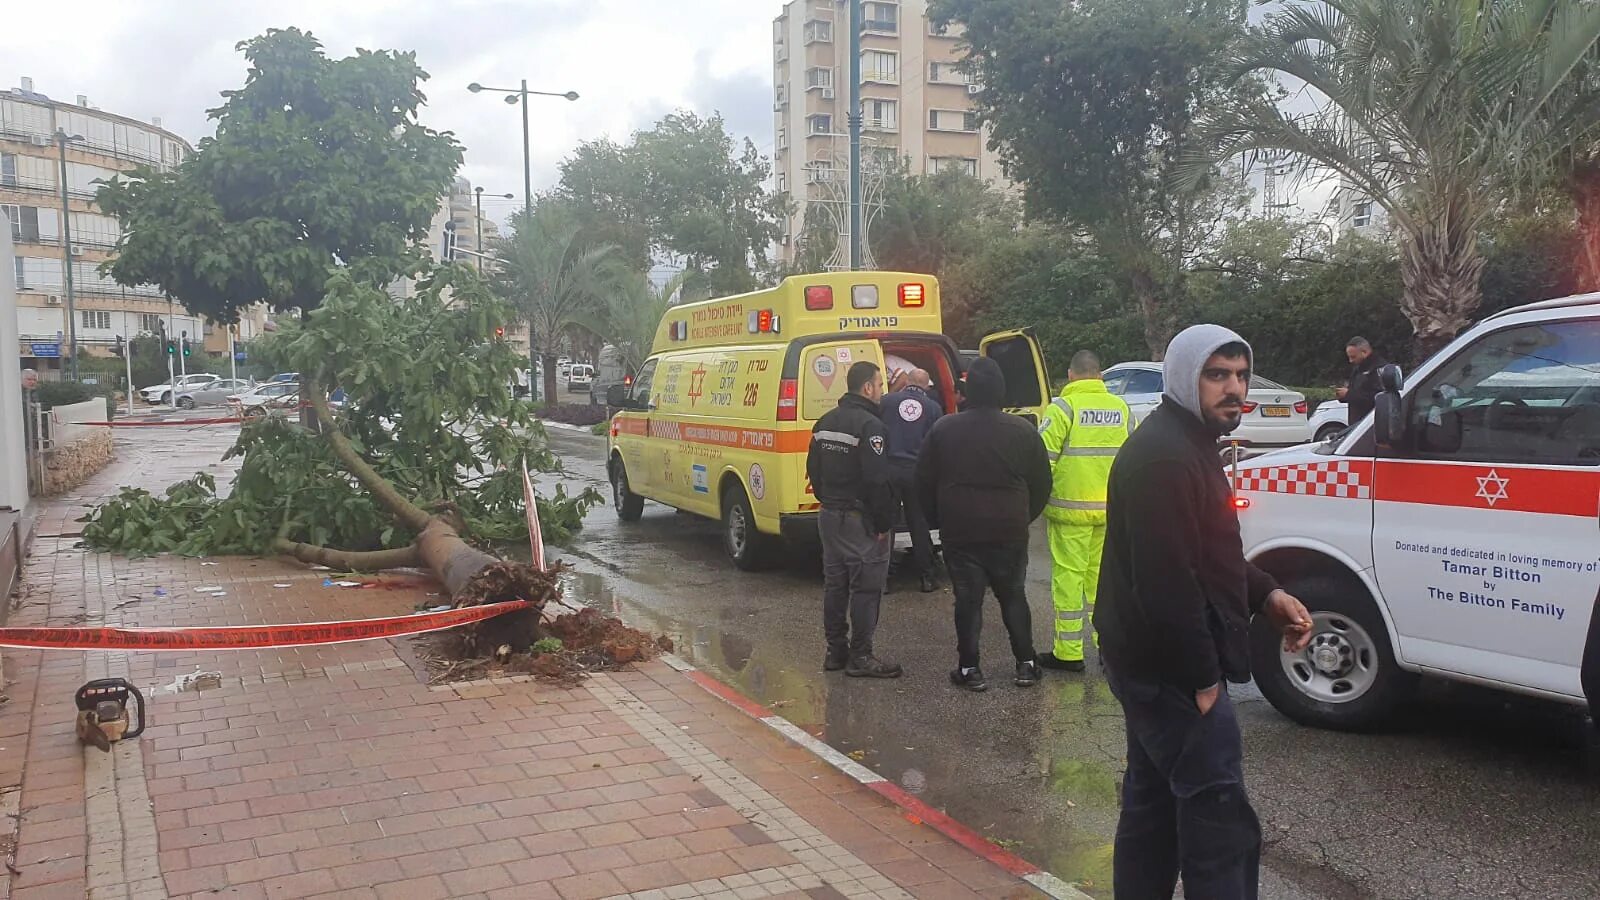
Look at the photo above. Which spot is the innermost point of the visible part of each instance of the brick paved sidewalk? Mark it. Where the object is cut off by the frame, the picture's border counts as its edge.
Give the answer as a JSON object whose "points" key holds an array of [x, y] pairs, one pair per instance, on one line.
{"points": [[339, 771]]}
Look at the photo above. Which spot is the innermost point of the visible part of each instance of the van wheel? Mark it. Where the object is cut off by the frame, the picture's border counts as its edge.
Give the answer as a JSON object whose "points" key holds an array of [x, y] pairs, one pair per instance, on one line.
{"points": [[1347, 678], [1232, 454], [1327, 432], [629, 506], [749, 549]]}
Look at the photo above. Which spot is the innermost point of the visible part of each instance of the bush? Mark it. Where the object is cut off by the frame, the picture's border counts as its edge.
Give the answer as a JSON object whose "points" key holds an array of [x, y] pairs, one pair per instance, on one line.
{"points": [[63, 393], [573, 414]]}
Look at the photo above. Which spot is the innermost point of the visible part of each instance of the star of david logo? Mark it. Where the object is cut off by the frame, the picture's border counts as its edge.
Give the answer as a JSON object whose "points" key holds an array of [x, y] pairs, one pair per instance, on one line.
{"points": [[1492, 487]]}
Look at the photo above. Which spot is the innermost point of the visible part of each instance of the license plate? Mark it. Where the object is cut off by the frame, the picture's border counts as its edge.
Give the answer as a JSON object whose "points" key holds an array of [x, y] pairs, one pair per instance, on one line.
{"points": [[1275, 412]]}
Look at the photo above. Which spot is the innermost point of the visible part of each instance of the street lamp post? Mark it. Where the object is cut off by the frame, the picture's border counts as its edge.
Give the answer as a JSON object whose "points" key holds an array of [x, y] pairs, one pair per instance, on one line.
{"points": [[62, 139], [512, 95], [477, 193]]}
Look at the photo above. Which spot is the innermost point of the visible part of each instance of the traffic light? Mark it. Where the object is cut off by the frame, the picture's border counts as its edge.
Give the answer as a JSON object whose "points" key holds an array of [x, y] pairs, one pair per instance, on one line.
{"points": [[172, 347], [120, 348], [188, 346], [500, 332]]}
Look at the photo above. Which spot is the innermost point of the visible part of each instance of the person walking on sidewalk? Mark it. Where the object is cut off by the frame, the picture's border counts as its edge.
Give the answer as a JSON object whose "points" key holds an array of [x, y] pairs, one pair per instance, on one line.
{"points": [[1176, 597], [1360, 392], [984, 478], [908, 415], [1082, 431], [849, 474]]}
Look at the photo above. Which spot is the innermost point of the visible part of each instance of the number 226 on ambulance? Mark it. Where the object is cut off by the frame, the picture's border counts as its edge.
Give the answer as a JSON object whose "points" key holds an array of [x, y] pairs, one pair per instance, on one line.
{"points": [[718, 420]]}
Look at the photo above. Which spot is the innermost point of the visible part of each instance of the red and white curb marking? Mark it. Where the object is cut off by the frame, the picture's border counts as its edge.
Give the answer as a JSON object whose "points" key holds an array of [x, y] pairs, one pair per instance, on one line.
{"points": [[876, 783]]}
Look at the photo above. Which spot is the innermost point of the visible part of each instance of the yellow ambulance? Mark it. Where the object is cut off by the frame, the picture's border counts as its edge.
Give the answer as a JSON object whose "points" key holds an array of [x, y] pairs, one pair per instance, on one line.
{"points": [[718, 420]]}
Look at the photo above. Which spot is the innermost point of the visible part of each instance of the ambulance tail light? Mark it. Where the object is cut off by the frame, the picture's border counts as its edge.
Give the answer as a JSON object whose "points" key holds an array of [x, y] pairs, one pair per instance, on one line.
{"points": [[1241, 502], [764, 321], [1248, 407], [819, 297], [1302, 407], [788, 400], [912, 295]]}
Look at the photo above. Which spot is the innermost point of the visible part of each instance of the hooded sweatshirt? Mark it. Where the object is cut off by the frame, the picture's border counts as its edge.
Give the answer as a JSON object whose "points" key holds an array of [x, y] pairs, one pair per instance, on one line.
{"points": [[1176, 593], [983, 474]]}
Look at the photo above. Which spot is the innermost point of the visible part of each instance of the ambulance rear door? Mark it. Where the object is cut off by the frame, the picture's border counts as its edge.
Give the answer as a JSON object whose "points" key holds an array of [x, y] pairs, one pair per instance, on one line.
{"points": [[823, 370], [1021, 360], [1485, 539]]}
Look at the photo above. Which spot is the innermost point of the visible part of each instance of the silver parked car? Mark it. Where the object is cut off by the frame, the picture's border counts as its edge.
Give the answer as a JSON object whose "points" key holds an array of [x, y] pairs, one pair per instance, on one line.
{"points": [[215, 393]]}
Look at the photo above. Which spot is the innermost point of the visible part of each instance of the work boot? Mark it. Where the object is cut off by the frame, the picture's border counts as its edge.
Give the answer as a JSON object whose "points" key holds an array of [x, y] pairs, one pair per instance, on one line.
{"points": [[972, 679], [870, 666], [929, 583], [1051, 661], [1027, 673], [835, 660]]}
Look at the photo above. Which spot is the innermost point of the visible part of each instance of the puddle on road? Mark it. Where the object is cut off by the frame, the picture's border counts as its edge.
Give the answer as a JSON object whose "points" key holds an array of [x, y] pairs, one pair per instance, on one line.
{"points": [[1071, 753]]}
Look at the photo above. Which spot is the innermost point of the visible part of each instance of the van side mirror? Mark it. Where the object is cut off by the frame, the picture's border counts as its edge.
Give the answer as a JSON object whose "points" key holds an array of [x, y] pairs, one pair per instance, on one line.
{"points": [[1391, 378], [1389, 417], [617, 396]]}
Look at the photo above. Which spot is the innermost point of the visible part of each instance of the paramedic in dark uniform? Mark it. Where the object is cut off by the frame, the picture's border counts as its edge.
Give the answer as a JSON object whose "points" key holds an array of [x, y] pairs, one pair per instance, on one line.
{"points": [[849, 470], [908, 415]]}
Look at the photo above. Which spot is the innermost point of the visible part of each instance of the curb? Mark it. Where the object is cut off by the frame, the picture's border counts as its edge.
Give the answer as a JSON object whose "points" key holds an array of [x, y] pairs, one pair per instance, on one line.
{"points": [[914, 809], [565, 427]]}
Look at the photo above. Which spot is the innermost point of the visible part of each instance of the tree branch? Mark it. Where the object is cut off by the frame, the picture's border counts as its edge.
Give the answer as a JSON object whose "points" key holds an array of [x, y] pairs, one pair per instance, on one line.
{"points": [[407, 513], [350, 560]]}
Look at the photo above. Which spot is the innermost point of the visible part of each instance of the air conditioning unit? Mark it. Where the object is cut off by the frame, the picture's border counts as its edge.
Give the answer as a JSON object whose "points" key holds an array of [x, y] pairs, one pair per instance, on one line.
{"points": [[827, 93], [77, 251], [52, 300], [973, 89], [39, 140]]}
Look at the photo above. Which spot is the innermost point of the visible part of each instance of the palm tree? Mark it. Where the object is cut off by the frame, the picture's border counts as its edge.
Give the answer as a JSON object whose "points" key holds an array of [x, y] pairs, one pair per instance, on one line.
{"points": [[1439, 111], [552, 280], [633, 310]]}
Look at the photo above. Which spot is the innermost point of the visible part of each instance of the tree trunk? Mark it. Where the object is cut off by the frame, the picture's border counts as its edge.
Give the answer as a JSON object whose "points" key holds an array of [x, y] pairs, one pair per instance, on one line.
{"points": [[548, 360], [1158, 329], [1584, 187], [471, 576], [1441, 270]]}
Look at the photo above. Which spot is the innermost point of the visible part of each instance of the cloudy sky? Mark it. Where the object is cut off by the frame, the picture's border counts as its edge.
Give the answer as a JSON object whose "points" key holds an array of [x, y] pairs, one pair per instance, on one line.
{"points": [[631, 60]]}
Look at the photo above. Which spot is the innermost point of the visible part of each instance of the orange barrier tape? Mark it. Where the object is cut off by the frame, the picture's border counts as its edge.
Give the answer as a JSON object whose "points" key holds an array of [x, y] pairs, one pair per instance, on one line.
{"points": [[250, 637]]}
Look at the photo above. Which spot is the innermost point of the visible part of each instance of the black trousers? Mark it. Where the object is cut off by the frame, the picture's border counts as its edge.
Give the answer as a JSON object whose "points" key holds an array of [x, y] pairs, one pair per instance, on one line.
{"points": [[1589, 672], [1184, 807], [855, 563], [1003, 568], [903, 482]]}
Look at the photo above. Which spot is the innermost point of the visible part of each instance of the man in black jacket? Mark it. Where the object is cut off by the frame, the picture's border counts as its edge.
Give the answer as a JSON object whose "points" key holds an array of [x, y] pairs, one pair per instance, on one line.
{"points": [[1174, 606], [1360, 393], [984, 476], [849, 475]]}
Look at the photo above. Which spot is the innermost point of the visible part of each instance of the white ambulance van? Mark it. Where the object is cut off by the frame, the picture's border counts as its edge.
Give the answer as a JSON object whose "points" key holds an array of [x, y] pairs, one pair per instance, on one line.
{"points": [[1455, 532]]}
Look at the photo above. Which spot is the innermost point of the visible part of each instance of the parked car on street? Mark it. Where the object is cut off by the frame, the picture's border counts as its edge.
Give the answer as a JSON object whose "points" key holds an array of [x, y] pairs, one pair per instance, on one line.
{"points": [[285, 376], [1329, 419], [215, 393], [254, 402], [608, 371], [162, 393], [579, 377], [1274, 416]]}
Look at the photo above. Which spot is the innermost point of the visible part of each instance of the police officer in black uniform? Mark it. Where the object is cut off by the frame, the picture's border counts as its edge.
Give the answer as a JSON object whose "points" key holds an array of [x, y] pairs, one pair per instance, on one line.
{"points": [[849, 474]]}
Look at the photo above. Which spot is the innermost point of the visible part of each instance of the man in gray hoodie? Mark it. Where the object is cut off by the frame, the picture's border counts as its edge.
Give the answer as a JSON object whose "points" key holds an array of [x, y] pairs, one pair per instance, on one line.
{"points": [[1174, 605]]}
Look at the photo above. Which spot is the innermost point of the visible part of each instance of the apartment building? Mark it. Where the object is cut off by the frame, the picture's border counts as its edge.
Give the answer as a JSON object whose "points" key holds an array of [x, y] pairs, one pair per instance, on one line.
{"points": [[103, 145], [916, 103]]}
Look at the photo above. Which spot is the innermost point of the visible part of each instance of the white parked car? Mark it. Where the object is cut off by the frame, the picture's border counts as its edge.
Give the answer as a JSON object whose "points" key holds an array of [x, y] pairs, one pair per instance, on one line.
{"points": [[162, 393], [1274, 416], [1329, 419], [256, 402], [579, 377], [215, 393]]}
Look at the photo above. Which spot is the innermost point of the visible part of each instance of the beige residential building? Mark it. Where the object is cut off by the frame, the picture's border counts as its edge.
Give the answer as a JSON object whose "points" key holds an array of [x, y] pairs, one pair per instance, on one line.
{"points": [[915, 102], [31, 206]]}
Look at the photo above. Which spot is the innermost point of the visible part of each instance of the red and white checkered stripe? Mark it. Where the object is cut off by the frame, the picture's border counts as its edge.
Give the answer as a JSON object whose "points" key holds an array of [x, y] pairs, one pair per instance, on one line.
{"points": [[1330, 479], [669, 430]]}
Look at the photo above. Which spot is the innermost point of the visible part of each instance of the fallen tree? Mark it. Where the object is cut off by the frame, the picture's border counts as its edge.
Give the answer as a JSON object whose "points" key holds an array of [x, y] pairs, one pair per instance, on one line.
{"points": [[422, 467]]}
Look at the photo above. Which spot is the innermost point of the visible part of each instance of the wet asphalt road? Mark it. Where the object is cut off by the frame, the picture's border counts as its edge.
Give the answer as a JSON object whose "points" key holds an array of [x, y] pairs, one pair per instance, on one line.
{"points": [[1472, 794]]}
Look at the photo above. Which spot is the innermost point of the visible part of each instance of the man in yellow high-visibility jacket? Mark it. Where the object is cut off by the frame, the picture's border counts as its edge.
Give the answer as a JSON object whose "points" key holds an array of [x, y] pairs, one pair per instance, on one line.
{"points": [[1082, 431]]}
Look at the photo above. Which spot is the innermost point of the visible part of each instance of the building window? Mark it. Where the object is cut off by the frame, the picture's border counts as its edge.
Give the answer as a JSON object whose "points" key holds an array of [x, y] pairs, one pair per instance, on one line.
{"points": [[819, 172], [1361, 214], [965, 164], [819, 124], [22, 277], [8, 169], [882, 18], [96, 318], [818, 31], [881, 66], [880, 115], [783, 138], [150, 323], [951, 30], [947, 73], [783, 182], [13, 215], [952, 120], [819, 77]]}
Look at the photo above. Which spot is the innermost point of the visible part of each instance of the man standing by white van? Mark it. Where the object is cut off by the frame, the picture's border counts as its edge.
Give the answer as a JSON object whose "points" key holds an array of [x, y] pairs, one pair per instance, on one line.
{"points": [[849, 471]]}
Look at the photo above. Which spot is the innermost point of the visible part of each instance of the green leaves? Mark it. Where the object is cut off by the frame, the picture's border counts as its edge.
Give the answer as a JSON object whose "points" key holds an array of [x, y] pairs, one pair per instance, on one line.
{"points": [[317, 163]]}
